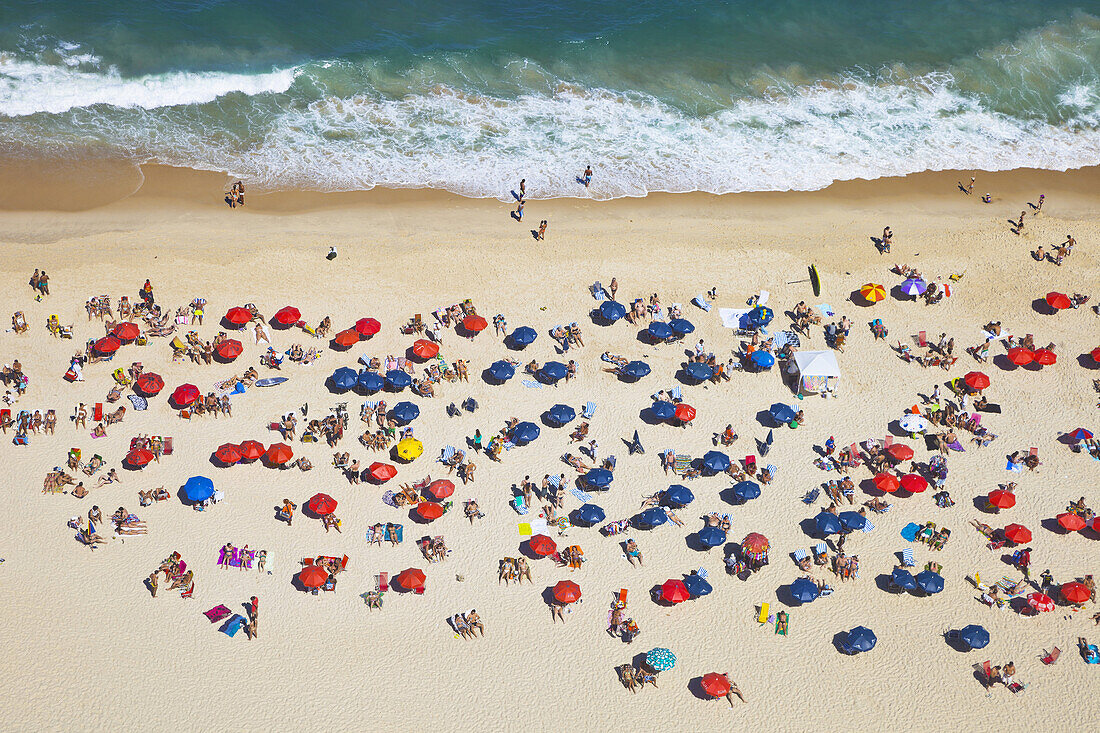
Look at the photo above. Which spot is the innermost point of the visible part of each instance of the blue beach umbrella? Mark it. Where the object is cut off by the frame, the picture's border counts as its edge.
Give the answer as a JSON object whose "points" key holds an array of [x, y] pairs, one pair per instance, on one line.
{"points": [[697, 585], [852, 520], [523, 336], [599, 478], [369, 381], [746, 490], [524, 433], [501, 371], [344, 379], [663, 410], [861, 639], [635, 370], [561, 414], [711, 536], [930, 582], [762, 359], [828, 523], [781, 413], [914, 286], [405, 412], [903, 579], [660, 659], [398, 379], [716, 461], [654, 517], [974, 636], [590, 514], [682, 326], [612, 311], [198, 488], [698, 371], [659, 331], [552, 371], [677, 495], [804, 590], [760, 316]]}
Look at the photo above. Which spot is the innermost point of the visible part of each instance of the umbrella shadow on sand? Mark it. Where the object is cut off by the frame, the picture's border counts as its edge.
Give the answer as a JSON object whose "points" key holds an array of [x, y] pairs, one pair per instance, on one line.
{"points": [[1085, 361], [1040, 306], [856, 298]]}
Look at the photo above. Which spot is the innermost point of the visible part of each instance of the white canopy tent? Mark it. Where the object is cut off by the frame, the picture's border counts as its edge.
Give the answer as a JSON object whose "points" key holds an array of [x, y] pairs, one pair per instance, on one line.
{"points": [[815, 370]]}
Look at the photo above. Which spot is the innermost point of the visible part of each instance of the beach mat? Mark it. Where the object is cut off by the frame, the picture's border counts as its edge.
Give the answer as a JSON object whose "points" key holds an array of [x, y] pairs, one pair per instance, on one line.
{"points": [[990, 407], [909, 531]]}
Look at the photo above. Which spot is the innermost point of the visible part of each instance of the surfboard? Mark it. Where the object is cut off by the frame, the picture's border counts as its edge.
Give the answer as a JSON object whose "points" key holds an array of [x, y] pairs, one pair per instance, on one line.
{"points": [[270, 381], [815, 280]]}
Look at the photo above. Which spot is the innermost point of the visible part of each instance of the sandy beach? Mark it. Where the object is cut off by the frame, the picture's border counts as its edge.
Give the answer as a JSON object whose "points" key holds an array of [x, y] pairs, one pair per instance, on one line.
{"points": [[87, 646]]}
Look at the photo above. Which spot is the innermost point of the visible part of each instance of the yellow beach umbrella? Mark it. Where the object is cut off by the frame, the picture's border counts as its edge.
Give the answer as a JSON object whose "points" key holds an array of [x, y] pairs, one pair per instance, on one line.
{"points": [[409, 448], [872, 292]]}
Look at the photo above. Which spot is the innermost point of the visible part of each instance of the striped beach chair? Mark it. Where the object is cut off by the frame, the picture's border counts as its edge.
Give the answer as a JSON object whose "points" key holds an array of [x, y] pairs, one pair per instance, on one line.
{"points": [[598, 292], [554, 480], [907, 558], [676, 393], [447, 453], [588, 410], [800, 554], [868, 527], [702, 573]]}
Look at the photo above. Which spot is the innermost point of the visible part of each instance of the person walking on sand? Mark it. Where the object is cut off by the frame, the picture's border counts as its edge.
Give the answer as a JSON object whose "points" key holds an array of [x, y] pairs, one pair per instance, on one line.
{"points": [[542, 229], [887, 238], [614, 287], [153, 583], [519, 210], [587, 175], [1020, 223]]}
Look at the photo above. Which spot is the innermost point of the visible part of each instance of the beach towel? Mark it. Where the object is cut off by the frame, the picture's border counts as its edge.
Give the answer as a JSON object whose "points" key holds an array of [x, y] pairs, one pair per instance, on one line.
{"points": [[1014, 467], [701, 302], [909, 531], [868, 526], [826, 310], [584, 497], [783, 338], [532, 384], [525, 529], [732, 317], [217, 613], [233, 625], [387, 499], [139, 402]]}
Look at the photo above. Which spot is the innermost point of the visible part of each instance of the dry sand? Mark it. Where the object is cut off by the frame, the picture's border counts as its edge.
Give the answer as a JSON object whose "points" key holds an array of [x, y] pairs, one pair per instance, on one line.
{"points": [[85, 645]]}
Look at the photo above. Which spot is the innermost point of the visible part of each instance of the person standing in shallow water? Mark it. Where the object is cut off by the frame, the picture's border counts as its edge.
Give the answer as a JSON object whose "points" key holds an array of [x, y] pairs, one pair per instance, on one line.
{"points": [[587, 175], [522, 188]]}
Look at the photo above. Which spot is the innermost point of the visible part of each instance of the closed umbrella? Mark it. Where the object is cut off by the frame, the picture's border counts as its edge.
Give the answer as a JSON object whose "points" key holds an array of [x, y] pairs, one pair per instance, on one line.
{"points": [[782, 414], [405, 412], [126, 331], [429, 510], [561, 414], [250, 450], [1017, 534], [369, 381], [474, 323], [523, 336], [674, 591], [861, 639], [598, 478], [185, 394], [1020, 356], [716, 461], [229, 349], [150, 384], [711, 536], [1075, 592], [1041, 602], [612, 311], [914, 286], [367, 327], [873, 292], [287, 316], [381, 472], [653, 517], [930, 582], [762, 359], [677, 496], [107, 345], [590, 514], [347, 337], [659, 331], [198, 488], [660, 659], [635, 370], [139, 457], [1071, 522], [441, 488], [804, 590], [698, 371], [409, 449], [410, 579], [903, 579], [828, 523], [697, 585], [279, 453], [552, 371], [911, 423], [852, 520], [684, 412], [313, 576], [716, 685], [900, 452], [914, 483], [425, 349], [1059, 301], [886, 482], [322, 504], [974, 636], [682, 326], [345, 378], [976, 380], [542, 545], [501, 371], [238, 316], [566, 591], [663, 410], [228, 453], [746, 490], [1001, 499], [1046, 357], [525, 432], [397, 379]]}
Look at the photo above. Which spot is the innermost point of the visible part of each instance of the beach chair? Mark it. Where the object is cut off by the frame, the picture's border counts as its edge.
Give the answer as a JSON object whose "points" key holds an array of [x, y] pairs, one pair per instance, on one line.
{"points": [[922, 339], [447, 454], [801, 558], [762, 618], [907, 558], [598, 292], [588, 410], [383, 582], [1052, 656], [676, 393], [869, 526], [811, 496], [820, 552], [700, 301]]}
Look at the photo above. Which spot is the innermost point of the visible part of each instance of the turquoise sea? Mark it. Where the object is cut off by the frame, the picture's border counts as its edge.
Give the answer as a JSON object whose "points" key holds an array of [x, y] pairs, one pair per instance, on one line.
{"points": [[679, 95]]}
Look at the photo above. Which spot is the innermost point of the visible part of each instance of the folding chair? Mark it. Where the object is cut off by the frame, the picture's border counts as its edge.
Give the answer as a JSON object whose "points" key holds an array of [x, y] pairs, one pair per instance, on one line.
{"points": [[588, 410], [598, 292], [676, 393], [907, 558], [447, 453], [922, 339]]}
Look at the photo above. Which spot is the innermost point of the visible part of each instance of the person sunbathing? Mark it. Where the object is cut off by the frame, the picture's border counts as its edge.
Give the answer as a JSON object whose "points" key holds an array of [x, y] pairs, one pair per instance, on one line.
{"points": [[576, 462], [183, 581], [110, 478]]}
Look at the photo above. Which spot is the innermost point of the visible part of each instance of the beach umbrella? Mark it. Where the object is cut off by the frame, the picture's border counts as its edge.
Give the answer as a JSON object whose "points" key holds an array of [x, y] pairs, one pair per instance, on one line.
{"points": [[107, 345], [523, 336], [1096, 525], [228, 453], [804, 590], [367, 327], [762, 359], [425, 349], [612, 311], [1001, 499], [1020, 356], [715, 685], [1095, 354], [126, 331], [347, 337], [542, 545], [287, 316], [185, 394], [1059, 301], [405, 412], [660, 659], [1071, 522], [886, 482], [1017, 534], [746, 490], [561, 414], [429, 510], [682, 326], [398, 379], [410, 579], [322, 504], [279, 453], [659, 331], [474, 323], [552, 371], [238, 316], [229, 349], [149, 384], [684, 412], [903, 579], [1040, 602], [598, 478], [716, 461], [1079, 434], [782, 414], [313, 576], [441, 488], [914, 286], [1046, 357], [198, 488], [976, 380], [914, 483], [698, 371], [930, 582], [677, 495], [861, 639], [369, 381], [250, 450], [663, 410], [755, 542], [674, 591], [381, 472], [653, 517], [974, 636], [911, 423], [635, 370], [525, 432], [760, 316], [590, 514], [873, 292], [139, 457], [900, 452], [345, 378], [1075, 592], [501, 371], [852, 520], [566, 591], [711, 536], [697, 585], [828, 523], [409, 449]]}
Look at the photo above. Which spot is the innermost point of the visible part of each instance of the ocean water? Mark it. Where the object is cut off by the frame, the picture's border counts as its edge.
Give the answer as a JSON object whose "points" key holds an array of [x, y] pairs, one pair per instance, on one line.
{"points": [[679, 95]]}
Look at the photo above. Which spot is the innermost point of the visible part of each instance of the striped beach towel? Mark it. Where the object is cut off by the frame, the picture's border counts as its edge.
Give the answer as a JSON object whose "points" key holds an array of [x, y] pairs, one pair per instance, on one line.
{"points": [[681, 463], [554, 480], [530, 383], [868, 527], [702, 573], [583, 496]]}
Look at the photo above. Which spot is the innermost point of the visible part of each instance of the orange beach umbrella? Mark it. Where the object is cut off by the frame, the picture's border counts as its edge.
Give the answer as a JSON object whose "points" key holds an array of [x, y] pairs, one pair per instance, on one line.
{"points": [[126, 331], [250, 450], [873, 292], [350, 337], [279, 453], [566, 591], [425, 349], [410, 579], [313, 576]]}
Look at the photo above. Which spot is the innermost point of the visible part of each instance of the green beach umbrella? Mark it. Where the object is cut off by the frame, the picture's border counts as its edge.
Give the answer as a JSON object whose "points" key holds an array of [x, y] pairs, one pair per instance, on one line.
{"points": [[660, 659]]}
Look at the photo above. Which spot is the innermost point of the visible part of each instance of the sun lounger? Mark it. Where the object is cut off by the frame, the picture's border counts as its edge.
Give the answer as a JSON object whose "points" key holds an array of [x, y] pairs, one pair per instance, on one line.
{"points": [[383, 582], [907, 558], [1052, 657], [588, 410], [447, 454], [598, 292], [763, 616]]}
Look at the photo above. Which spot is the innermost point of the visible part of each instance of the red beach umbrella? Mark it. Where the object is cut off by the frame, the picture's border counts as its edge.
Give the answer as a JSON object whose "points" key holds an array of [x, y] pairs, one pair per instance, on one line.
{"points": [[322, 504], [716, 685], [1058, 301], [674, 591], [185, 394], [913, 483], [367, 326], [1095, 354], [313, 576], [382, 471], [1071, 522], [474, 323], [228, 453], [238, 316], [976, 380], [350, 337], [900, 452], [126, 331], [1040, 601], [1002, 499], [1096, 525], [250, 450], [887, 482], [139, 457], [566, 591], [425, 349], [1017, 534], [230, 349], [150, 384], [279, 453], [288, 316], [1020, 356], [441, 488], [685, 413], [1075, 592], [410, 579], [542, 545], [1045, 357], [107, 345], [429, 510], [755, 542]]}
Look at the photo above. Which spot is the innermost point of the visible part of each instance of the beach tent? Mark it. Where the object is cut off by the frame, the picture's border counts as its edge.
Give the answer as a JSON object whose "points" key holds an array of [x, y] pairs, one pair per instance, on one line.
{"points": [[815, 370]]}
